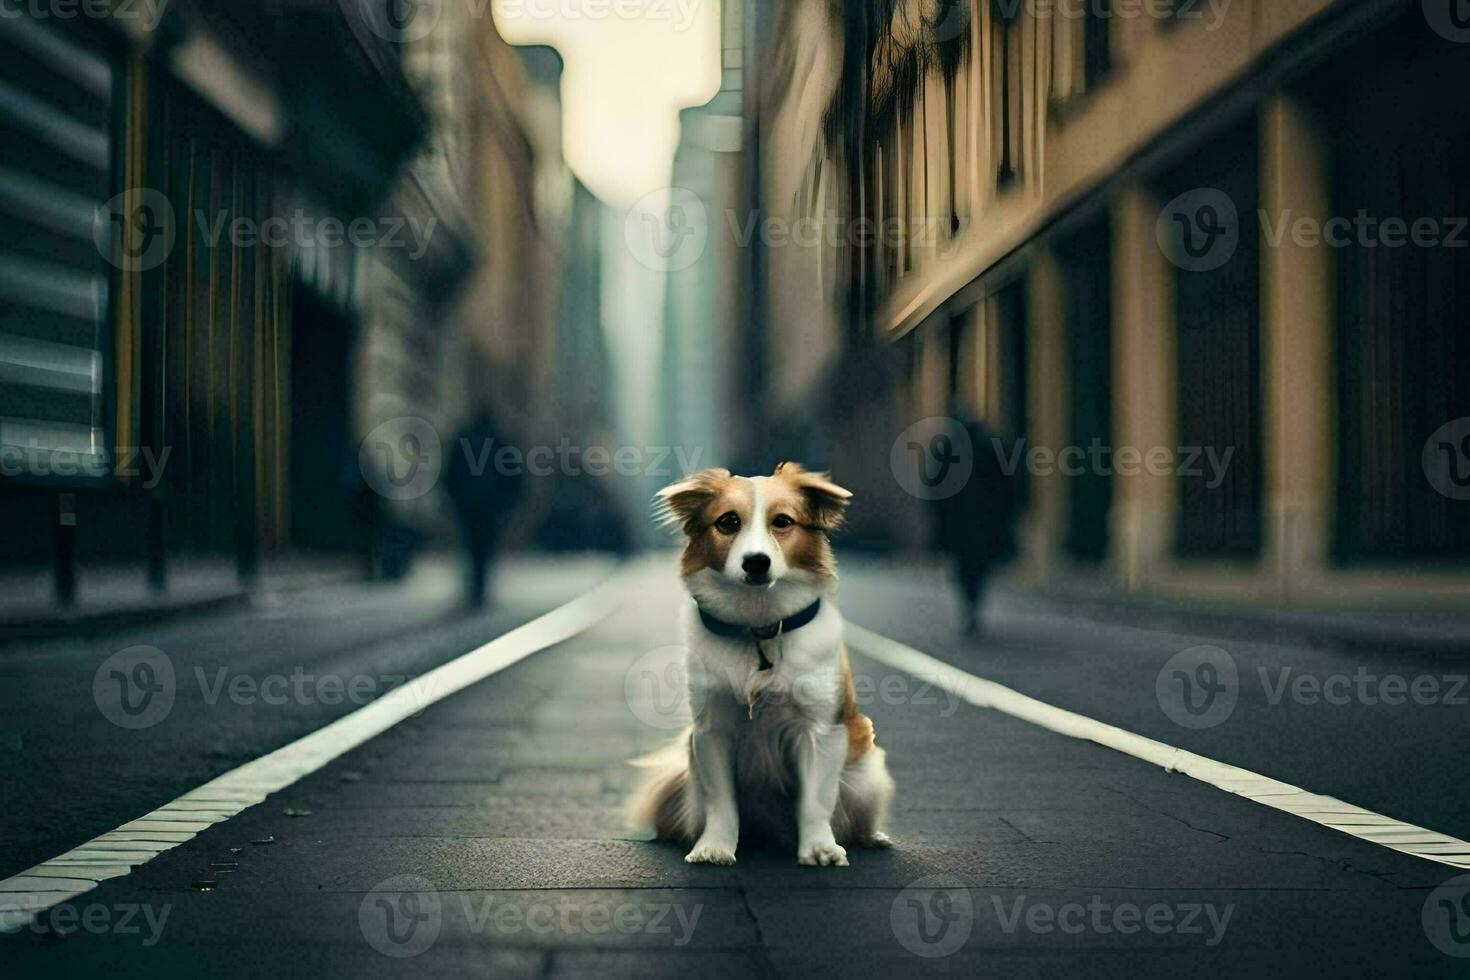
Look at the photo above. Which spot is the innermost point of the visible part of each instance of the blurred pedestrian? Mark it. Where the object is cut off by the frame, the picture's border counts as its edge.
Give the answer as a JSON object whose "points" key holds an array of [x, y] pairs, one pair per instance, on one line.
{"points": [[483, 497], [976, 527]]}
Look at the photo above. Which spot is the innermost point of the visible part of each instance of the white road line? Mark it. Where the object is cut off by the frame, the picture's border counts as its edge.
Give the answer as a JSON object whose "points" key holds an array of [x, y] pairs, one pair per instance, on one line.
{"points": [[115, 854], [1325, 810]]}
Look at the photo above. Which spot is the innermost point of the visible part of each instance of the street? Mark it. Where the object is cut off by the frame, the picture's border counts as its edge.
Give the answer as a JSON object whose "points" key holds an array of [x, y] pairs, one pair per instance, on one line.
{"points": [[82, 775], [364, 365], [485, 833]]}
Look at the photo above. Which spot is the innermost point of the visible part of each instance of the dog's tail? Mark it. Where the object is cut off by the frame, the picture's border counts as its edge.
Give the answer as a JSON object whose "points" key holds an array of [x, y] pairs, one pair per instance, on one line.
{"points": [[661, 802]]}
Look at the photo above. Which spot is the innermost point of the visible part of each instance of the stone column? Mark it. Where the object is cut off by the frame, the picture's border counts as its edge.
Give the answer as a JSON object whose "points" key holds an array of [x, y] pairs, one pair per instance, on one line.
{"points": [[1296, 342], [1145, 390]]}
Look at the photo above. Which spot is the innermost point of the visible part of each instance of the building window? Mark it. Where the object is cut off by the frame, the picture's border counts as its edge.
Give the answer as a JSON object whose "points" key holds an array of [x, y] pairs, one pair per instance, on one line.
{"points": [[1006, 91], [1081, 39], [1401, 148], [911, 186], [1097, 43], [961, 362], [1085, 258], [1000, 360], [953, 135], [1217, 319]]}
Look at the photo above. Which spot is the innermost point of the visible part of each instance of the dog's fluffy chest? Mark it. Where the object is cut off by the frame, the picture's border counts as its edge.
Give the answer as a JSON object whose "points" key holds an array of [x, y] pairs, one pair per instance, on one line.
{"points": [[802, 686]]}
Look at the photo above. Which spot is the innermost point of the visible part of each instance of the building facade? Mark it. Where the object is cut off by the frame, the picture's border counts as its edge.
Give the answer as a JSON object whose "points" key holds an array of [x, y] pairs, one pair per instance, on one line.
{"points": [[530, 345], [711, 351], [231, 234], [1166, 250]]}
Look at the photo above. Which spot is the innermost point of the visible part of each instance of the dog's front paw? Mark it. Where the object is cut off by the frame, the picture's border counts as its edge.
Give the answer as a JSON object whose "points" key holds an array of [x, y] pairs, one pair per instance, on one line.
{"points": [[877, 839], [707, 853], [827, 854]]}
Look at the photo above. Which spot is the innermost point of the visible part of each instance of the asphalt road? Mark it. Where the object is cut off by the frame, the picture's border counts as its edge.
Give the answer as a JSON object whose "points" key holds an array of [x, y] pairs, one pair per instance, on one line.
{"points": [[1318, 713], [484, 835], [245, 682]]}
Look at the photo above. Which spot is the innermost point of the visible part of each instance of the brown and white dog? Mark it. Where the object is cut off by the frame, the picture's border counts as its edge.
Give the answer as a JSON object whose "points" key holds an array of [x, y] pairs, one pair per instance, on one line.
{"points": [[778, 744]]}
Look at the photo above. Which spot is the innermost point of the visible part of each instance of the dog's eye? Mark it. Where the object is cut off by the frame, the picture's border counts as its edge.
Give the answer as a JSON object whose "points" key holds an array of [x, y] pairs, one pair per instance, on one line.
{"points": [[783, 521], [728, 524]]}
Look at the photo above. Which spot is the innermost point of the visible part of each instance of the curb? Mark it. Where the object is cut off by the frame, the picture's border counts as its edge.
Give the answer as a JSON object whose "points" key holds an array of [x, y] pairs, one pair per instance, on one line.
{"points": [[1312, 628], [81, 622]]}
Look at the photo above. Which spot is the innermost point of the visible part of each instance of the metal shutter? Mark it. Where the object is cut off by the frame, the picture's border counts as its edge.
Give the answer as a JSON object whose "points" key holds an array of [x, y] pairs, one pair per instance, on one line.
{"points": [[56, 126]]}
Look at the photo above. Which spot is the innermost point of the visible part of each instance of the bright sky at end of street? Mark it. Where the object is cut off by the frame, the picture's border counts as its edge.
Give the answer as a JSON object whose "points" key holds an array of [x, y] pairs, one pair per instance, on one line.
{"points": [[631, 65]]}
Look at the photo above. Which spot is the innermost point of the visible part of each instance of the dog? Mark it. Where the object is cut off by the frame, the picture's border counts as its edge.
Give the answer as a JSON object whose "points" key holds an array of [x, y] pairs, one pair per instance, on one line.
{"points": [[779, 750]]}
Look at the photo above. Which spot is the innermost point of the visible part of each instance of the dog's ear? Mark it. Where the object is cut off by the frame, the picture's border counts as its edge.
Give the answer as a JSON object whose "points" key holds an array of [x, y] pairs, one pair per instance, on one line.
{"points": [[680, 504], [826, 501]]}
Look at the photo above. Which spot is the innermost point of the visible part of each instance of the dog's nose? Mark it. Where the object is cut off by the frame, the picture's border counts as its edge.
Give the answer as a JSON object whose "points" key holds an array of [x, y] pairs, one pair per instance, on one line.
{"points": [[756, 563]]}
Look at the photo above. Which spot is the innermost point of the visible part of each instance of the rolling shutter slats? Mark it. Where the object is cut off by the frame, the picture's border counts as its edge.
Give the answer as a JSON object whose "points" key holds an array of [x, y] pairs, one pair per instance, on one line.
{"points": [[55, 120]]}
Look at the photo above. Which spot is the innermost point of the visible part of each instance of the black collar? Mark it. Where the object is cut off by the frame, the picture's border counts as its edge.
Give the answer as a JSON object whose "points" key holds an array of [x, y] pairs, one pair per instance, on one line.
{"points": [[758, 633]]}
